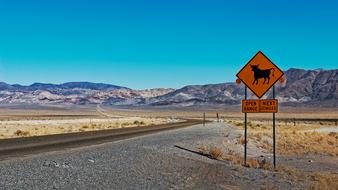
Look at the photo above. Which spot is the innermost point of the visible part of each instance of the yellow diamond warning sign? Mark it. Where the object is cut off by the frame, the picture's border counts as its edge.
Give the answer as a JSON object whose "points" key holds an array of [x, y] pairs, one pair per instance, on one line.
{"points": [[260, 74]]}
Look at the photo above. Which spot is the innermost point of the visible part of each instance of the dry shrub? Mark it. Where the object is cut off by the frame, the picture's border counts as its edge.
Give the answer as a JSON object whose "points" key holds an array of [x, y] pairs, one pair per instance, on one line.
{"points": [[233, 159], [258, 136], [139, 123], [253, 163], [85, 127], [241, 140], [21, 133], [333, 134], [239, 124], [215, 153]]}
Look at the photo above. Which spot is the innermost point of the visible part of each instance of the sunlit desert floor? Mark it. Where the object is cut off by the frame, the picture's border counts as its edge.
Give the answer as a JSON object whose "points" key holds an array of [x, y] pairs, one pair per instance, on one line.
{"points": [[307, 140], [26, 128]]}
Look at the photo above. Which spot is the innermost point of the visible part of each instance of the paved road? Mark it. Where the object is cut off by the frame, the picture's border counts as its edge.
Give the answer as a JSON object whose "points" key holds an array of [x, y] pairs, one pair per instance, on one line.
{"points": [[103, 112], [31, 145], [146, 162]]}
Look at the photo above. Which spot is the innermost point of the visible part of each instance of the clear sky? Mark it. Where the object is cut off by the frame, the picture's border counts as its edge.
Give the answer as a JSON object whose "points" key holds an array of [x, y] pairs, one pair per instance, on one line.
{"points": [[160, 43]]}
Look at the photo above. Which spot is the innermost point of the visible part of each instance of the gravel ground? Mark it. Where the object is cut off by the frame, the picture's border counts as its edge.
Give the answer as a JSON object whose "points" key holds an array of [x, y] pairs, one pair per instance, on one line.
{"points": [[147, 162]]}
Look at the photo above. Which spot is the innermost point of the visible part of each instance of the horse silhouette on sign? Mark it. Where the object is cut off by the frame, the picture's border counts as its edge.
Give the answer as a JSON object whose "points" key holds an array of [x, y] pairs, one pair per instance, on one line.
{"points": [[258, 74]]}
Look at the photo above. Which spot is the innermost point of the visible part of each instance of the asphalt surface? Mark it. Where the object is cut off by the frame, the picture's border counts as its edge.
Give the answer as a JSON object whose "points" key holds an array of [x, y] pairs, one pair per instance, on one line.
{"points": [[19, 147], [166, 160]]}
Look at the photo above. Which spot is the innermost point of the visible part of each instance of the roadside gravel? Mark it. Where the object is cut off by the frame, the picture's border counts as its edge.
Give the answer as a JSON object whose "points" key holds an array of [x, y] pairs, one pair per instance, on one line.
{"points": [[147, 162]]}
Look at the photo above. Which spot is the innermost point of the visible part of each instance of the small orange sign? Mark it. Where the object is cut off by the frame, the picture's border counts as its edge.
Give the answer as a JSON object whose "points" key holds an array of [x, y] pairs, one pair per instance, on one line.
{"points": [[268, 106], [260, 74], [250, 106], [260, 106]]}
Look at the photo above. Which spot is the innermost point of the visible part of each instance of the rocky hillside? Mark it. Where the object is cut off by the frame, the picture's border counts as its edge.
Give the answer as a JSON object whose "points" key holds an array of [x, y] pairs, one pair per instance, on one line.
{"points": [[227, 93], [78, 93], [302, 87], [310, 86]]}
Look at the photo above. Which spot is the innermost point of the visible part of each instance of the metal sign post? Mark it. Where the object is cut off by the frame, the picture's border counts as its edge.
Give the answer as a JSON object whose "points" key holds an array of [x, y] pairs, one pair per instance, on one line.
{"points": [[274, 131], [204, 119], [245, 127]]}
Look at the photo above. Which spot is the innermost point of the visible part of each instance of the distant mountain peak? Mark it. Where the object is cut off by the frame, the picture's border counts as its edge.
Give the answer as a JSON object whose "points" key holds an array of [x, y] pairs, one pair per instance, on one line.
{"points": [[302, 87]]}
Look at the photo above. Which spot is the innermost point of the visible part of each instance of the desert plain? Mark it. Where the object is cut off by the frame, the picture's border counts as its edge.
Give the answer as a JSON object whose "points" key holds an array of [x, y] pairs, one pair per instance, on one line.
{"points": [[307, 140]]}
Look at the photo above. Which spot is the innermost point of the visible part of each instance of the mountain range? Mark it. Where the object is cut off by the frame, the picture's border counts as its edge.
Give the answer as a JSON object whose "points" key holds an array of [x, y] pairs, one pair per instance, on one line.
{"points": [[318, 88]]}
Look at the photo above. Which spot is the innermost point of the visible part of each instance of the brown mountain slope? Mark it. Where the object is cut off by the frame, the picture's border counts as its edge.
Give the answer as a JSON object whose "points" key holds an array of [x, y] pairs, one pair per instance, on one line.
{"points": [[302, 87]]}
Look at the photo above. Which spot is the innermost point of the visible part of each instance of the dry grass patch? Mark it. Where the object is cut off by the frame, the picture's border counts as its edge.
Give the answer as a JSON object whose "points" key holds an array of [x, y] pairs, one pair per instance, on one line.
{"points": [[258, 136], [233, 158], [292, 140], [308, 142], [40, 127], [316, 180], [323, 180]]}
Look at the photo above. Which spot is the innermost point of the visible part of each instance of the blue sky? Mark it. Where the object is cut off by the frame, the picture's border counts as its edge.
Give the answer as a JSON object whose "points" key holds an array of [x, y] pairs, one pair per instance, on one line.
{"points": [[168, 43]]}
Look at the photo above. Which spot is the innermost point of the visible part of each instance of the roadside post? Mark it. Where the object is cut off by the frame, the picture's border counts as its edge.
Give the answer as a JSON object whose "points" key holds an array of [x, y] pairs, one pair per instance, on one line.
{"points": [[245, 127], [204, 119], [274, 130], [259, 75]]}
